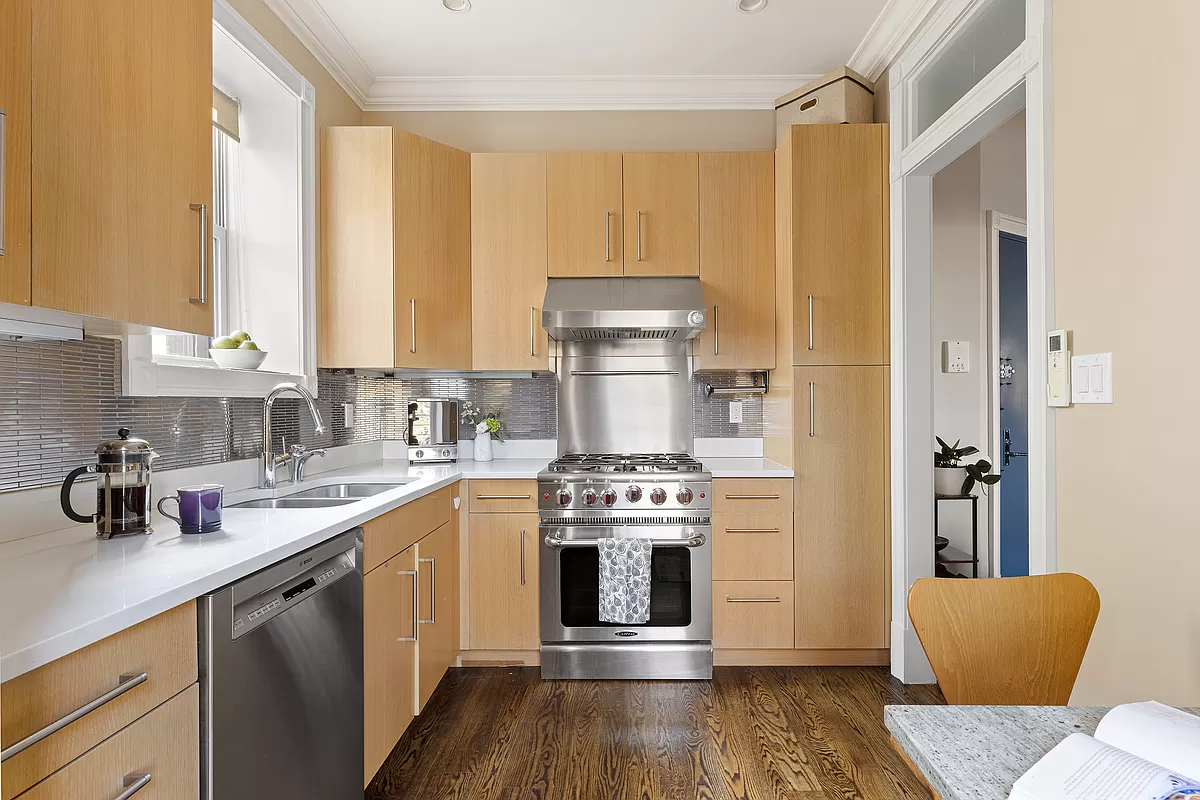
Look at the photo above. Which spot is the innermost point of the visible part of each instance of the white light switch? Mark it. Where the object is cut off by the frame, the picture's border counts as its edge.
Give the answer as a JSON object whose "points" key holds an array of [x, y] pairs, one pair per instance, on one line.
{"points": [[1091, 379], [348, 411], [956, 357], [735, 410]]}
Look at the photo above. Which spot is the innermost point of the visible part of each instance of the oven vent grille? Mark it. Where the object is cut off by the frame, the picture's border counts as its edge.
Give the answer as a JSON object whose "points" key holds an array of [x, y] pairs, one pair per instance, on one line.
{"points": [[582, 334], [605, 521]]}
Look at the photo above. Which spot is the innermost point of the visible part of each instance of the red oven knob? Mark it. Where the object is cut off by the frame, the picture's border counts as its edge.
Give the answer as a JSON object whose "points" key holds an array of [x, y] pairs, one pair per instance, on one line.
{"points": [[684, 496], [564, 497], [633, 494], [589, 497], [658, 497], [608, 497]]}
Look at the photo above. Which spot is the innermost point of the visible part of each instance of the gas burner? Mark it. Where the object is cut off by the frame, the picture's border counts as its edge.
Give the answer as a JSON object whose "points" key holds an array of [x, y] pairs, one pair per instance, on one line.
{"points": [[585, 463]]}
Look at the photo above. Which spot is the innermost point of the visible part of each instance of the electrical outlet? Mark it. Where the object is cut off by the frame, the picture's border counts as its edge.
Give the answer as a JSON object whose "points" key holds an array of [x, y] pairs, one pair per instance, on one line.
{"points": [[735, 411], [956, 357]]}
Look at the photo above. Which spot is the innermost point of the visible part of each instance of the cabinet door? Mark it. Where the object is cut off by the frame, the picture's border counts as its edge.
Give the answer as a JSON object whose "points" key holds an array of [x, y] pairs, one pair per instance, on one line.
{"points": [[503, 582], [389, 656], [662, 213], [840, 230], [437, 636], [16, 98], [841, 502], [508, 261], [432, 186], [583, 214], [122, 137], [737, 260]]}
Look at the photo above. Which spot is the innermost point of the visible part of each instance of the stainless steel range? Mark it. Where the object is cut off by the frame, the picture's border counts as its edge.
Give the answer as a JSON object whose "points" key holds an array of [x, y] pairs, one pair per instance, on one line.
{"points": [[623, 360]]}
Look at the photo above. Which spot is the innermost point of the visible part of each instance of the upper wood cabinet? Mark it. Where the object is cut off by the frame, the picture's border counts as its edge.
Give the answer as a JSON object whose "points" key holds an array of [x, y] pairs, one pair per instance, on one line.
{"points": [[839, 243], [396, 260], [16, 122], [508, 261], [662, 213], [122, 151], [583, 214], [737, 260]]}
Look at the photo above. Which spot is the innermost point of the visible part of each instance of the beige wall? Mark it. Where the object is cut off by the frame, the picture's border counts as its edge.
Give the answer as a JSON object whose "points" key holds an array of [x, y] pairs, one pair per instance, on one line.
{"points": [[1127, 281], [545, 131]]}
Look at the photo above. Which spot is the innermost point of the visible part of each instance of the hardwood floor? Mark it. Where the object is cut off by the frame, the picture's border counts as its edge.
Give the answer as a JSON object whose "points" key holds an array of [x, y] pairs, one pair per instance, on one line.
{"points": [[792, 733]]}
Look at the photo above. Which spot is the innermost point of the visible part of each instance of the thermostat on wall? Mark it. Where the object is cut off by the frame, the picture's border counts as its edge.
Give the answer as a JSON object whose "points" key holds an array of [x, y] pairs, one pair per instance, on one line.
{"points": [[956, 357]]}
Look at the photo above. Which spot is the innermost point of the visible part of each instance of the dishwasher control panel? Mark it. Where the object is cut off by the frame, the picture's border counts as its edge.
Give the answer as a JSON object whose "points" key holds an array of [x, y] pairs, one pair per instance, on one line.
{"points": [[260, 609]]}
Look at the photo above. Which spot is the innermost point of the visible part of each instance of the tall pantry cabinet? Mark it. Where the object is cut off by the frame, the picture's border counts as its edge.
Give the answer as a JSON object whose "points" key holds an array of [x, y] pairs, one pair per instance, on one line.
{"points": [[828, 408]]}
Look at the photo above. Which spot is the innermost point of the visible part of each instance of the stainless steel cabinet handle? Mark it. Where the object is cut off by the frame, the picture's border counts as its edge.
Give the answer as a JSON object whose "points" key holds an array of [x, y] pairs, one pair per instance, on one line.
{"points": [[751, 497], [124, 684], [412, 309], [812, 408], [752, 600], [752, 530], [432, 562], [416, 616], [522, 558], [607, 236], [202, 300], [810, 322], [3, 186], [531, 332], [501, 497], [639, 231], [134, 784], [716, 332]]}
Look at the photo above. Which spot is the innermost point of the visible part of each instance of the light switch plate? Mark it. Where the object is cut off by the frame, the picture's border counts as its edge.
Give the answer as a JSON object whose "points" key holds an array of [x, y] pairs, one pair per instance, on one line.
{"points": [[735, 411], [1091, 379], [348, 412], [956, 357]]}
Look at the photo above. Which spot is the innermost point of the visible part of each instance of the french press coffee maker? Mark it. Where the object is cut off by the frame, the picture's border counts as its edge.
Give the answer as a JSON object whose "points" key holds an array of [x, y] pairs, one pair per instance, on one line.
{"points": [[122, 487]]}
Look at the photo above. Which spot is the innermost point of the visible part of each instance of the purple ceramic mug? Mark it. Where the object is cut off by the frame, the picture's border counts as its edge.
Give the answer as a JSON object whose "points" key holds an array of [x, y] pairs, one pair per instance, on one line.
{"points": [[200, 507]]}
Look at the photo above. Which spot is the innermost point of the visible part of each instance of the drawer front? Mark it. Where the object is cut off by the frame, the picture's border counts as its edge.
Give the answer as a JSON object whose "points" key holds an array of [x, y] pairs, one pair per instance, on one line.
{"points": [[162, 648], [399, 529], [164, 745], [753, 614], [752, 496], [503, 497], [752, 547]]}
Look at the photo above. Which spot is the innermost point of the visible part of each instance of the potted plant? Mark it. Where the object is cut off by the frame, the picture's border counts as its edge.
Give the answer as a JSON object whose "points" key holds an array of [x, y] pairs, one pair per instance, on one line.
{"points": [[487, 426], [951, 477]]}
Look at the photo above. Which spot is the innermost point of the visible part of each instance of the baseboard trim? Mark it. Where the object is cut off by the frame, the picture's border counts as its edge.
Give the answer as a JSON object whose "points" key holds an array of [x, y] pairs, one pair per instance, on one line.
{"points": [[801, 658], [500, 658]]}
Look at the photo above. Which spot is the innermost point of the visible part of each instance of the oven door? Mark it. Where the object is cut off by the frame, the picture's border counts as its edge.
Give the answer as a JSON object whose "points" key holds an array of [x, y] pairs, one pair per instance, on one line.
{"points": [[680, 584]]}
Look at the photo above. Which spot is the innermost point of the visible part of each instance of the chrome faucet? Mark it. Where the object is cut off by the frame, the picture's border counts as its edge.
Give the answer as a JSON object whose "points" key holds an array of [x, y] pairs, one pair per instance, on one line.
{"points": [[270, 461]]}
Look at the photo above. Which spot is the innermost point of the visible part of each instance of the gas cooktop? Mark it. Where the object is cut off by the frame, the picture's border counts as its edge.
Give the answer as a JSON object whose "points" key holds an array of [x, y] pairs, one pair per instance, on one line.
{"points": [[587, 463]]}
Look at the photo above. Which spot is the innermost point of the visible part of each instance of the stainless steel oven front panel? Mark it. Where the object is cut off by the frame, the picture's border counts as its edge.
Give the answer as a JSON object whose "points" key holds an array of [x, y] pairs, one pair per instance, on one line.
{"points": [[556, 539]]}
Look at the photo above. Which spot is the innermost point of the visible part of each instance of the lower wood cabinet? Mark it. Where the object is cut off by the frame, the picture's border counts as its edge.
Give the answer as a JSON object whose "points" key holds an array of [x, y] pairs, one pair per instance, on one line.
{"points": [[752, 547], [753, 614], [161, 751], [503, 581], [389, 656], [437, 608]]}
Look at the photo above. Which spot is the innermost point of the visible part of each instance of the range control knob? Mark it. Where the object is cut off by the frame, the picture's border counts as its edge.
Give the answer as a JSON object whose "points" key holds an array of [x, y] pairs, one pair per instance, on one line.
{"points": [[658, 497], [633, 494], [608, 497], [563, 497], [684, 496], [589, 497]]}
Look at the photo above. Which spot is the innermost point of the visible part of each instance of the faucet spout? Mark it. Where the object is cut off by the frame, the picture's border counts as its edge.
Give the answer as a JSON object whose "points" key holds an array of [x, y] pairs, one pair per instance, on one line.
{"points": [[270, 460]]}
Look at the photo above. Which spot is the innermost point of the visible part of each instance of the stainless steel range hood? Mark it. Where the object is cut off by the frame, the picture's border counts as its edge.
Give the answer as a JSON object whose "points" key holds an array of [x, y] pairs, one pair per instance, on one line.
{"points": [[584, 309]]}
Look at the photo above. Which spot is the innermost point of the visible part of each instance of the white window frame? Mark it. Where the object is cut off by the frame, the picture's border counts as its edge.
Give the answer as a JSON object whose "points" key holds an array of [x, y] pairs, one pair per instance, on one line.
{"points": [[147, 375], [1022, 80]]}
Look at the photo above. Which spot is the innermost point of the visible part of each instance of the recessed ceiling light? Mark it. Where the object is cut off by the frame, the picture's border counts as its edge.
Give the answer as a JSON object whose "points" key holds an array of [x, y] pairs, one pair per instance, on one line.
{"points": [[465, 5], [751, 6]]}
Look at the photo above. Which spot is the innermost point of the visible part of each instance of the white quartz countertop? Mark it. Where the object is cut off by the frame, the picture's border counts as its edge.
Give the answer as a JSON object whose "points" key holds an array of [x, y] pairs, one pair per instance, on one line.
{"points": [[65, 590]]}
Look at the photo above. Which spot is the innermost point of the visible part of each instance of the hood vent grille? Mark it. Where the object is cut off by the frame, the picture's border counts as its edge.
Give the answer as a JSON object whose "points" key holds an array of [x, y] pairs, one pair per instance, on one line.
{"points": [[589, 334]]}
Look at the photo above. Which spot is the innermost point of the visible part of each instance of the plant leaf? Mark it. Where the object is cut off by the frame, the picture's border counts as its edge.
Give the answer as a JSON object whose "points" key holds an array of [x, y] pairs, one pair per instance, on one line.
{"points": [[984, 465], [942, 442], [990, 480], [968, 485], [968, 451]]}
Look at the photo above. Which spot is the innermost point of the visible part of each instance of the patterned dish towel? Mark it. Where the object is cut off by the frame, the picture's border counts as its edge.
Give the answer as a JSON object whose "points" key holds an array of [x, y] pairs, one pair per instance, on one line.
{"points": [[625, 580]]}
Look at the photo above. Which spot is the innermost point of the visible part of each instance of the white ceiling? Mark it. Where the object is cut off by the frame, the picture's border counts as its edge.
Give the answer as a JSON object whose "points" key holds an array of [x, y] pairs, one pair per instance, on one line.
{"points": [[411, 54]]}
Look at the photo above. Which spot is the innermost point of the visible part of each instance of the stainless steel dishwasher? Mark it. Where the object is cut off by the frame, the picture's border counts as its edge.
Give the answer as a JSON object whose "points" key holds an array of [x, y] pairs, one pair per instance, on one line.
{"points": [[281, 679]]}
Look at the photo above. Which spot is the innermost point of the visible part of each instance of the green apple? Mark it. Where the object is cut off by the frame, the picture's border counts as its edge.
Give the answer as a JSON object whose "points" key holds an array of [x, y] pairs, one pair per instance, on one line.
{"points": [[224, 343], [247, 345], [239, 337]]}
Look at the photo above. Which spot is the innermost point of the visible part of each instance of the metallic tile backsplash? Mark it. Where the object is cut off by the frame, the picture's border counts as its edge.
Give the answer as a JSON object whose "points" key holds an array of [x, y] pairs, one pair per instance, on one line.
{"points": [[59, 399]]}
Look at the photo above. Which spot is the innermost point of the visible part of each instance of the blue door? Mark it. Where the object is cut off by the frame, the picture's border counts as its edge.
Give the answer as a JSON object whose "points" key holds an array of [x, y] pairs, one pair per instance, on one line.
{"points": [[1014, 407]]}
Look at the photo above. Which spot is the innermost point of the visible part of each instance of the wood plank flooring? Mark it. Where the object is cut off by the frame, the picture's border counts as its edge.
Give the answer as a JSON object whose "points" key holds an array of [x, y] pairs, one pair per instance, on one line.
{"points": [[753, 733]]}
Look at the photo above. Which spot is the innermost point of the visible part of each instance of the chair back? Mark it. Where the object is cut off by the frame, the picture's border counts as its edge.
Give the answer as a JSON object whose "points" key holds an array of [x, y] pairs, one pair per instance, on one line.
{"points": [[1005, 641]]}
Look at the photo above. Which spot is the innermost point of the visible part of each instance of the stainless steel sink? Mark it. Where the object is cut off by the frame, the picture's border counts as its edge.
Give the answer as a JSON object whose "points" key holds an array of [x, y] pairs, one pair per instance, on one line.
{"points": [[347, 490], [297, 502]]}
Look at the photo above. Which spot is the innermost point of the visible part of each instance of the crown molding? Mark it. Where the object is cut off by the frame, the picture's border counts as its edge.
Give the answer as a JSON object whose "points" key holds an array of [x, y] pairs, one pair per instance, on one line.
{"points": [[581, 92], [316, 31], [892, 29]]}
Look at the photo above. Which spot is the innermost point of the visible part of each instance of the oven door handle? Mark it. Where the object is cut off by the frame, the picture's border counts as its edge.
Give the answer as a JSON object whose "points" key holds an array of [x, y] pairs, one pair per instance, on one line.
{"points": [[697, 540]]}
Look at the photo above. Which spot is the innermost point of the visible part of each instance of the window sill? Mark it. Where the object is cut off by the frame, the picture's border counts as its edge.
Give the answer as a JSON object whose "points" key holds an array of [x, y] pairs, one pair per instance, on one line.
{"points": [[199, 377]]}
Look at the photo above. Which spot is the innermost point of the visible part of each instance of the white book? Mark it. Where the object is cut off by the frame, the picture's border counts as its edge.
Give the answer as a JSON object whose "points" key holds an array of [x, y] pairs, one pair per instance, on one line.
{"points": [[1141, 751]]}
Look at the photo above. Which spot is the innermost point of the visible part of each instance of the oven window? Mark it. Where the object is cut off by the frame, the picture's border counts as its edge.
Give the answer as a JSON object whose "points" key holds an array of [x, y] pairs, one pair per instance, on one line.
{"points": [[670, 588]]}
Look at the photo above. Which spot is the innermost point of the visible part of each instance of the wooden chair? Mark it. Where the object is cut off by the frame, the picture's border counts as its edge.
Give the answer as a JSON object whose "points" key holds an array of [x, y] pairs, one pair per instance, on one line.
{"points": [[1005, 641]]}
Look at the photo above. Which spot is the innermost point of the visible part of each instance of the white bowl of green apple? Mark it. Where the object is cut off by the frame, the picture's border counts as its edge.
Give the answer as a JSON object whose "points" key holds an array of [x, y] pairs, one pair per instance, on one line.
{"points": [[236, 351]]}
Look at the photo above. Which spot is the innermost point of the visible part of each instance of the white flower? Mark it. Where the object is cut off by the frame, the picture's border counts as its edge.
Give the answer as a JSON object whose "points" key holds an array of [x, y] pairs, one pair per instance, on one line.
{"points": [[481, 427]]}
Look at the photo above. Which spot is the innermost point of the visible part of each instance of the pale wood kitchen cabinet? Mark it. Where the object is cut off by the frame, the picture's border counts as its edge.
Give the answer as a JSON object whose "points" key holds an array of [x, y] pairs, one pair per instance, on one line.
{"points": [[508, 261], [437, 608], [396, 260], [583, 215], [662, 213], [389, 656], [16, 100], [122, 132], [737, 260], [503, 581]]}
